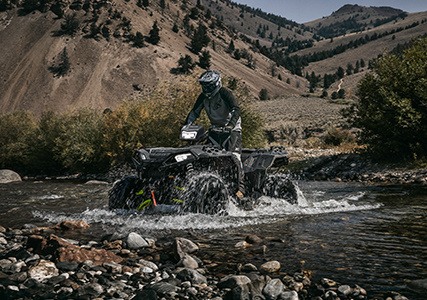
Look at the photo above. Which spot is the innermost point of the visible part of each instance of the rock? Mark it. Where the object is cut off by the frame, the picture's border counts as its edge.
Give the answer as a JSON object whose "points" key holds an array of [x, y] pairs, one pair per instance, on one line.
{"points": [[118, 245], [419, 286], [96, 182], [345, 290], [328, 283], [253, 239], [187, 261], [5, 264], [7, 176], [148, 264], [67, 266], [184, 246], [242, 244], [91, 289], [191, 275], [71, 225], [113, 267], [240, 292], [18, 277], [289, 295], [271, 266], [273, 289], [43, 270], [232, 281], [163, 288], [135, 241], [249, 268], [66, 252]]}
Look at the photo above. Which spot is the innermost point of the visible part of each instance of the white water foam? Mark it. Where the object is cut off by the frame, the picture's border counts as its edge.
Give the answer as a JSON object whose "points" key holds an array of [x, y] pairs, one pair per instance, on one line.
{"points": [[268, 210]]}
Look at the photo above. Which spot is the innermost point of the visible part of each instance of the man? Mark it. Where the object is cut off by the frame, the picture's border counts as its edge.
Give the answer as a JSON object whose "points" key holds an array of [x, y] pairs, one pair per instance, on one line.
{"points": [[224, 114]]}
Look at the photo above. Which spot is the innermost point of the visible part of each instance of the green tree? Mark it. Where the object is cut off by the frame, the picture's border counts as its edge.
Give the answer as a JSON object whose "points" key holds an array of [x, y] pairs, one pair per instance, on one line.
{"points": [[162, 4], [263, 94], [185, 64], [62, 66], [391, 112], [205, 60], [139, 40], [200, 39], [175, 28], [71, 25], [153, 35]]}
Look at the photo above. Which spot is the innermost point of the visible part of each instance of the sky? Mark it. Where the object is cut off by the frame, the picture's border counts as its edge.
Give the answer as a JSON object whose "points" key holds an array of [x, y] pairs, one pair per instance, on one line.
{"points": [[302, 11]]}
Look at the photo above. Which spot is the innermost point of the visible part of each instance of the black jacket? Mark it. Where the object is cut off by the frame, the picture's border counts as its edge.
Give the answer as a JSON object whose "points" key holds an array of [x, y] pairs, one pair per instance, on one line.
{"points": [[221, 108]]}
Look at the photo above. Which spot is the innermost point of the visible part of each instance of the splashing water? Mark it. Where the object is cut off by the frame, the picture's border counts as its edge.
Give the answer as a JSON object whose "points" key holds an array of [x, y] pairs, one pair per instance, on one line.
{"points": [[268, 210]]}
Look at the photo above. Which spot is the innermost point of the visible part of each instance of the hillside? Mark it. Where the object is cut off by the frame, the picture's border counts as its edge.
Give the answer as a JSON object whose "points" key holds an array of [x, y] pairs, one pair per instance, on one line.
{"points": [[106, 66], [107, 49]]}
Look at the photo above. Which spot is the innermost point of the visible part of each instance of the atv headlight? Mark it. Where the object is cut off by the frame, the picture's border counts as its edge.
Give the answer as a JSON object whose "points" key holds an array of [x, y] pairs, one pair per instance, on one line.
{"points": [[188, 135], [182, 157]]}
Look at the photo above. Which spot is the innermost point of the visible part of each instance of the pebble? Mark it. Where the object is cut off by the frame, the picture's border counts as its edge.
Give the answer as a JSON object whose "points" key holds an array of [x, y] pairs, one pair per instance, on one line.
{"points": [[155, 272]]}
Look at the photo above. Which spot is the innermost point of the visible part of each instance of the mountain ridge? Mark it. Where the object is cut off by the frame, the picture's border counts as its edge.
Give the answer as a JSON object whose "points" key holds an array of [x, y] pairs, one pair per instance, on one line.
{"points": [[107, 67]]}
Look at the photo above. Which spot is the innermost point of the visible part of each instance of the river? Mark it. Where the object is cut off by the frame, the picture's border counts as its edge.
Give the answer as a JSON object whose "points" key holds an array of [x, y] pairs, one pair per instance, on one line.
{"points": [[354, 233]]}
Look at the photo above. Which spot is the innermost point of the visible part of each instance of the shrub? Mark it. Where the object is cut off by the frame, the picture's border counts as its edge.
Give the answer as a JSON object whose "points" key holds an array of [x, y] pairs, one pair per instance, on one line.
{"points": [[16, 129], [71, 25], [153, 35], [80, 141], [336, 137], [205, 60], [391, 111], [185, 64], [263, 94]]}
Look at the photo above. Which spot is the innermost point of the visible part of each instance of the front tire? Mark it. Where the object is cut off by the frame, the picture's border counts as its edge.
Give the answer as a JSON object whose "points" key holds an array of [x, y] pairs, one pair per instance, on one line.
{"points": [[280, 186], [124, 194], [206, 193]]}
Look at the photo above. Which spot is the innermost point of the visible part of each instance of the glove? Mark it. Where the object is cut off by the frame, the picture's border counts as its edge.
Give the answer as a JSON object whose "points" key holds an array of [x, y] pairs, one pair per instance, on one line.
{"points": [[185, 127], [228, 128]]}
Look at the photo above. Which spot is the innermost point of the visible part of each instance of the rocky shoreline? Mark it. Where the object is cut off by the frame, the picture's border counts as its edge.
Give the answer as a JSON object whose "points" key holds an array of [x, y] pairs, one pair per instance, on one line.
{"points": [[35, 263], [327, 164]]}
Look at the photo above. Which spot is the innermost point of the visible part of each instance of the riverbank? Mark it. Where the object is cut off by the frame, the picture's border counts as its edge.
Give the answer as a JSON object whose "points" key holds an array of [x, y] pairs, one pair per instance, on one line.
{"points": [[329, 164], [39, 263]]}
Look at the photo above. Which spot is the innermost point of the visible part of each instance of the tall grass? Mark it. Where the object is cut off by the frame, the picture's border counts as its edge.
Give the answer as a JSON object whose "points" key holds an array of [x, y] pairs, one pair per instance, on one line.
{"points": [[88, 140]]}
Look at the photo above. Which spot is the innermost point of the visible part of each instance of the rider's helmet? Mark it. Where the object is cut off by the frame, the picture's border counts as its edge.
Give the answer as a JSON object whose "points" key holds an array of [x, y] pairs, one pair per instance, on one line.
{"points": [[210, 80]]}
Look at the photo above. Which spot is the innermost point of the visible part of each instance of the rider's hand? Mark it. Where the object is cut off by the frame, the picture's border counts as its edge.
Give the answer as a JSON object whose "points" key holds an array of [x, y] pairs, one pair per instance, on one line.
{"points": [[185, 127], [228, 128]]}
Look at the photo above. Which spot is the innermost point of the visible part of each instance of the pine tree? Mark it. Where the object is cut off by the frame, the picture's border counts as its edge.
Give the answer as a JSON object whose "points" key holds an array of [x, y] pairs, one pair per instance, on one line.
{"points": [[185, 64], [63, 65], [205, 60], [154, 36], [139, 40], [200, 39], [162, 4], [231, 46]]}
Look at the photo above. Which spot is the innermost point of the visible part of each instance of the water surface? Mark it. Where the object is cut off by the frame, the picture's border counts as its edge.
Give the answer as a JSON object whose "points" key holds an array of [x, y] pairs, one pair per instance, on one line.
{"points": [[374, 236]]}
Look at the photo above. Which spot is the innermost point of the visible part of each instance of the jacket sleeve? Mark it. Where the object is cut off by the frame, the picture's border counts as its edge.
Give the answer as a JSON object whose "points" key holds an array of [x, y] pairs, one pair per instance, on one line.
{"points": [[195, 112], [231, 102]]}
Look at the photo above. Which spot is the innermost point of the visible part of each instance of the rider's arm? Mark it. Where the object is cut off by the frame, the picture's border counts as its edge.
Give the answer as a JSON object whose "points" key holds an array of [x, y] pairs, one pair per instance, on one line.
{"points": [[195, 112], [231, 102]]}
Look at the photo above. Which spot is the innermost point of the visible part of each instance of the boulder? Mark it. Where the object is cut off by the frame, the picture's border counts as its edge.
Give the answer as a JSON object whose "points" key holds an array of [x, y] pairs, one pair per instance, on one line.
{"points": [[7, 176], [135, 241], [271, 266], [233, 281], [273, 289], [66, 252], [191, 275], [43, 270], [184, 246]]}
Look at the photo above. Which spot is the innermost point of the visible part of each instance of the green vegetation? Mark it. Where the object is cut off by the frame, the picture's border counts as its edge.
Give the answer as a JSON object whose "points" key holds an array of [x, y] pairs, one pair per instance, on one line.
{"points": [[90, 141], [392, 111]]}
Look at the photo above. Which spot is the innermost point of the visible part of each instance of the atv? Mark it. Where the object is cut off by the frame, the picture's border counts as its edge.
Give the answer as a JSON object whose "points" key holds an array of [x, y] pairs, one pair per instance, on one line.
{"points": [[202, 178]]}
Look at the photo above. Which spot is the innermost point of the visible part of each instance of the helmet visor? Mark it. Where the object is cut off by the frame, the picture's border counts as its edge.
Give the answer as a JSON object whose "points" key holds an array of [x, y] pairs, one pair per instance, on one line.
{"points": [[208, 87]]}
